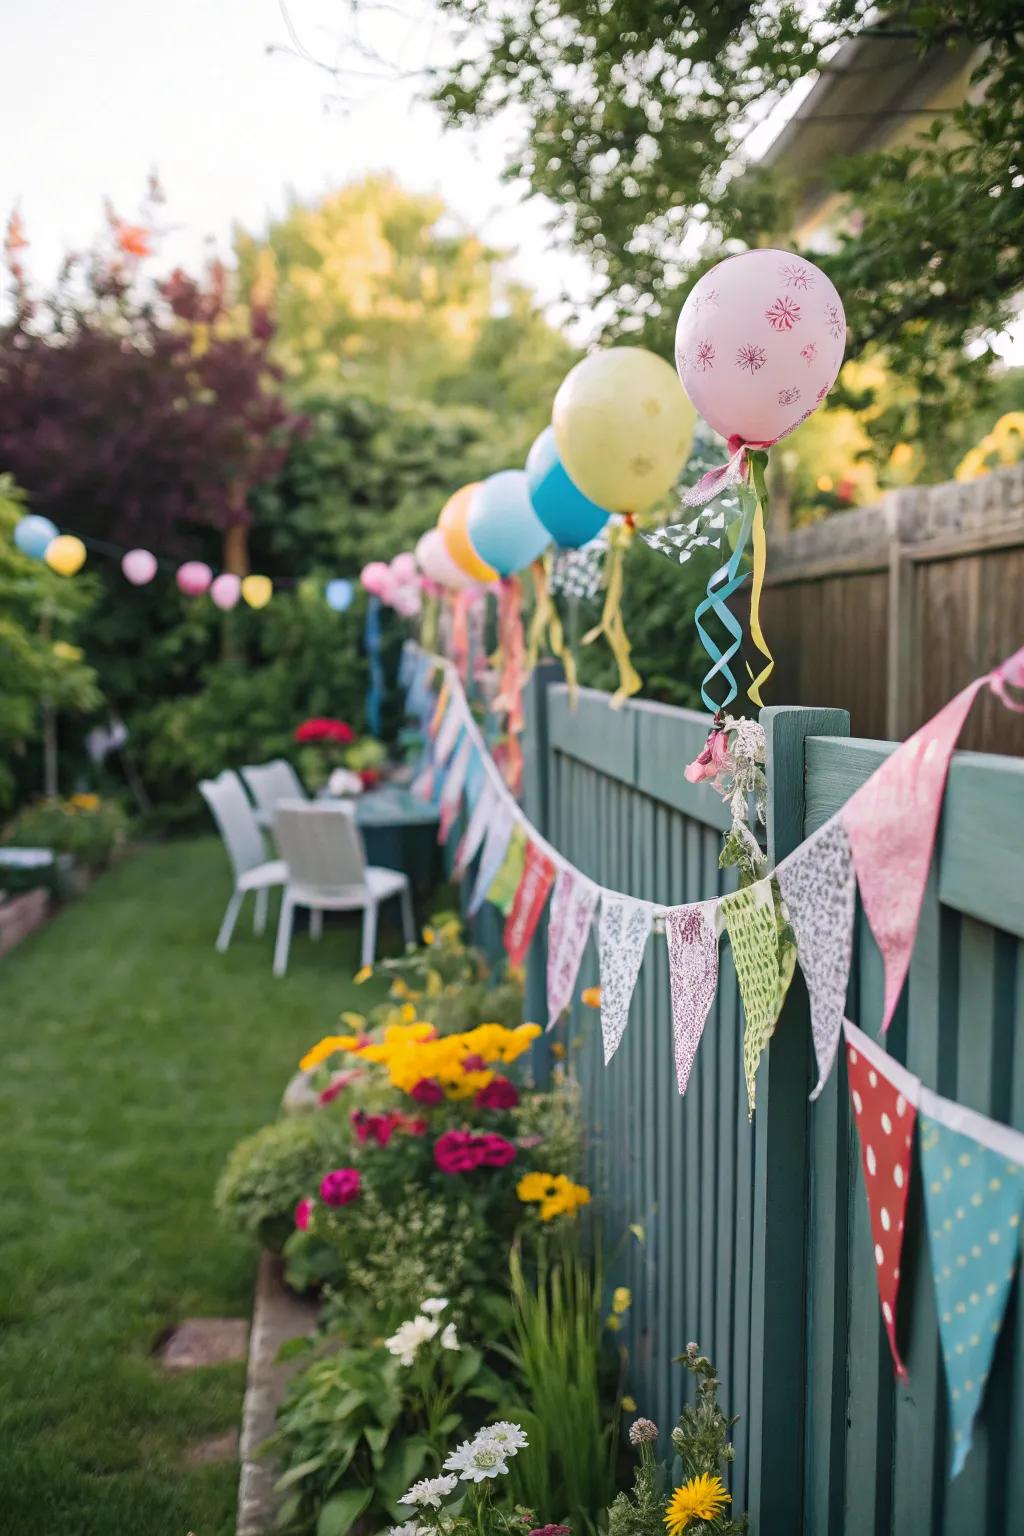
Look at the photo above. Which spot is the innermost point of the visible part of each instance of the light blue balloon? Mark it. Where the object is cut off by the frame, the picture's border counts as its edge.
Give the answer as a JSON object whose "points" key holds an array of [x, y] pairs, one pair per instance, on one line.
{"points": [[571, 518], [339, 594], [33, 534], [503, 528]]}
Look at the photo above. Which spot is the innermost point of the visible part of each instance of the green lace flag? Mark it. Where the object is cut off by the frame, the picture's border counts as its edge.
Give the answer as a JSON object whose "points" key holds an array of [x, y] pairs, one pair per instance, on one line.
{"points": [[749, 917], [506, 882]]}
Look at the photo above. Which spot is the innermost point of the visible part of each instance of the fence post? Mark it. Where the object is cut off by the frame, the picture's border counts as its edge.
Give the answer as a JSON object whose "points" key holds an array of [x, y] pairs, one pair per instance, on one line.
{"points": [[536, 804], [778, 1368]]}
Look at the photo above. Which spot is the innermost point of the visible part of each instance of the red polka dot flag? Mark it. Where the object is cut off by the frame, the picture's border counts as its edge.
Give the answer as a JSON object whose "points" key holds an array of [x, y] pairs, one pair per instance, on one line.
{"points": [[884, 1099]]}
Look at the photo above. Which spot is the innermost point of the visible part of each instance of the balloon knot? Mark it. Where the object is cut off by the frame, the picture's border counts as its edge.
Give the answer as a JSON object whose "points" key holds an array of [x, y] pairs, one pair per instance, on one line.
{"points": [[630, 521]]}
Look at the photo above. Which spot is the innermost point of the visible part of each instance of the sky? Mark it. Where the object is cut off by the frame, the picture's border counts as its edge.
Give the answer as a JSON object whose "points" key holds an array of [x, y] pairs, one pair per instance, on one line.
{"points": [[97, 93]]}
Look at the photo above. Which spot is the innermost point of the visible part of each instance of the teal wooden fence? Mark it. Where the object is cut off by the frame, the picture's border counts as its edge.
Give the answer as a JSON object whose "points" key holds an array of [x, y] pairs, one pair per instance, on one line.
{"points": [[754, 1239]]}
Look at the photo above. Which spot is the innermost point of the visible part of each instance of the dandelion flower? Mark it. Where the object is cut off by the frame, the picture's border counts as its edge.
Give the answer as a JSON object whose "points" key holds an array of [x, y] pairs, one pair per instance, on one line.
{"points": [[702, 1498]]}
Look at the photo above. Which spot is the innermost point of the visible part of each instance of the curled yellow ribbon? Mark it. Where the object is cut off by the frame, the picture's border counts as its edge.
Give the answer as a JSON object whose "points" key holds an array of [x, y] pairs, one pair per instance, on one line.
{"points": [[611, 625], [760, 551], [547, 621]]}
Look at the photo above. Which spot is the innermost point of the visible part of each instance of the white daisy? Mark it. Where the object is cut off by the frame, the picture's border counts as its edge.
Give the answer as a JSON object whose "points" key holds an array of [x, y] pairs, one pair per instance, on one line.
{"points": [[430, 1491], [477, 1459], [433, 1305], [449, 1338], [508, 1437], [406, 1341], [410, 1528]]}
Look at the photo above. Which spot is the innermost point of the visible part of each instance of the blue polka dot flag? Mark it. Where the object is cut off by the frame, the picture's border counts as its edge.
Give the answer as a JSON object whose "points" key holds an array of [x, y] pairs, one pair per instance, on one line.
{"points": [[973, 1174]]}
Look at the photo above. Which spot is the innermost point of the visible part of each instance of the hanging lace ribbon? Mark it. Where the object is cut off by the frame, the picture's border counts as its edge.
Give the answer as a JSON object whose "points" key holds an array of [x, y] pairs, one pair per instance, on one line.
{"points": [[611, 624], [546, 622]]}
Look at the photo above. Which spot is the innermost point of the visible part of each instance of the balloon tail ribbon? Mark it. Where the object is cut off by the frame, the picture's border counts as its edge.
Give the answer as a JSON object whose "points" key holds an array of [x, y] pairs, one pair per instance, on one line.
{"points": [[721, 586], [428, 623], [461, 606], [512, 676], [758, 462], [546, 621], [611, 625], [371, 640]]}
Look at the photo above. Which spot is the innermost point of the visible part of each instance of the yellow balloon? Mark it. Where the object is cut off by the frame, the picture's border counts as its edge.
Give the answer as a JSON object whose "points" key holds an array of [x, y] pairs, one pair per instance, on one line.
{"points": [[454, 531], [65, 554], [257, 590], [623, 427]]}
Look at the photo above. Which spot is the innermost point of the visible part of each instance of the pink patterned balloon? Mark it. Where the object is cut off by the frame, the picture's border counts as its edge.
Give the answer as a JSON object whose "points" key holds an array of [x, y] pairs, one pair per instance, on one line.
{"points": [[759, 343], [437, 564], [193, 578], [139, 567], [375, 577], [226, 590]]}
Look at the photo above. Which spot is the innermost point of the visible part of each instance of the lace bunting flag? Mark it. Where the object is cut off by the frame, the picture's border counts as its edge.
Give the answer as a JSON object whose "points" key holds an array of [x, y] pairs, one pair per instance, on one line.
{"points": [[532, 892], [451, 794], [577, 572], [820, 892], [572, 913], [692, 937], [704, 531], [499, 834], [891, 823], [749, 917], [622, 939], [473, 836]]}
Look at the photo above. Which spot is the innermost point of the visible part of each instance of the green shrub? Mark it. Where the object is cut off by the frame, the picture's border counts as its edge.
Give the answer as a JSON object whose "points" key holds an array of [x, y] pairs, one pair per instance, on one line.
{"points": [[267, 1174], [88, 828]]}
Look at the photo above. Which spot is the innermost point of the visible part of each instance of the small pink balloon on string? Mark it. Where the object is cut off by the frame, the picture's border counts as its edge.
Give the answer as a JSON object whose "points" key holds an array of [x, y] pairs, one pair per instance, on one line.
{"points": [[138, 566], [193, 578], [226, 590], [403, 568], [759, 343], [374, 577]]}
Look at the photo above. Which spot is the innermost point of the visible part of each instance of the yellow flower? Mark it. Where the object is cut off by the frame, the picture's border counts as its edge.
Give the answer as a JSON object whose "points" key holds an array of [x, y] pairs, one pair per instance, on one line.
{"points": [[628, 1404], [83, 802], [702, 1498], [563, 1198], [428, 935], [591, 996], [558, 1051], [408, 1013], [622, 1299], [326, 1047], [362, 975], [67, 652], [356, 1021], [535, 1186], [399, 987], [612, 1323]]}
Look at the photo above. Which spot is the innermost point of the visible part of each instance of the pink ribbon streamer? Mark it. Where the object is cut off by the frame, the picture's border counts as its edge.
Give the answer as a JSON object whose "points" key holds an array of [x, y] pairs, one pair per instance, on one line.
{"points": [[891, 822], [1010, 671]]}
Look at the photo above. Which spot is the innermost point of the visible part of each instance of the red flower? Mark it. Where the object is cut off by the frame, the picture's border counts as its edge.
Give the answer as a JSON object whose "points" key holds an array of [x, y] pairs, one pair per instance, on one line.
{"points": [[379, 1128], [500, 1093], [427, 1091], [473, 1063], [497, 1152], [456, 1152], [370, 777], [338, 1083], [320, 729], [303, 1211], [340, 1187], [414, 1127], [550, 1530]]}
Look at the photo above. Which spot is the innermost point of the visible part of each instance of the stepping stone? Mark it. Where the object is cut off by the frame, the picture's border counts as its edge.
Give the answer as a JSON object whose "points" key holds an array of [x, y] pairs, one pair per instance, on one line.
{"points": [[200, 1341]]}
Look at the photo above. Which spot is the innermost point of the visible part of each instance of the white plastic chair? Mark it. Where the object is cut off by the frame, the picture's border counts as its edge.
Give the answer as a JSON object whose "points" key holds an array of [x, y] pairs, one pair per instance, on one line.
{"points": [[327, 871], [270, 782], [236, 822]]}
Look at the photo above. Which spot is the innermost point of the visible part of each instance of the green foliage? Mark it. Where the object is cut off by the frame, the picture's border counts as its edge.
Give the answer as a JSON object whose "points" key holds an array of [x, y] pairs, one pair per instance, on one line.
{"points": [[268, 1173], [88, 828], [701, 1438], [633, 120], [642, 1511], [40, 615], [558, 1332]]}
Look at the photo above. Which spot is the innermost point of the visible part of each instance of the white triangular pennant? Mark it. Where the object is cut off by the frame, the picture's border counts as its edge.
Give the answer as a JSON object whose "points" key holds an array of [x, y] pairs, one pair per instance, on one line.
{"points": [[622, 939]]}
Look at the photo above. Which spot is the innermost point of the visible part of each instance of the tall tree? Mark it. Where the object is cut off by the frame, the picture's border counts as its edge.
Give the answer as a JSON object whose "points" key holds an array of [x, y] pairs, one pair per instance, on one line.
{"points": [[636, 120]]}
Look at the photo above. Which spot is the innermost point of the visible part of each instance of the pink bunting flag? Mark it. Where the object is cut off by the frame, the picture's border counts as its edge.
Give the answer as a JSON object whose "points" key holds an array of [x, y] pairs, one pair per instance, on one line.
{"points": [[423, 784], [483, 814], [532, 892], [451, 794], [885, 1097], [571, 916], [448, 734], [891, 823], [818, 887], [692, 935], [622, 938]]}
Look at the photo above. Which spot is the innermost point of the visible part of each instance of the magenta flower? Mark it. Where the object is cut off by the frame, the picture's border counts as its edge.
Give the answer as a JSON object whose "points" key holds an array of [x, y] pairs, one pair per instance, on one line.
{"points": [[303, 1211], [499, 1093], [427, 1091], [341, 1186]]}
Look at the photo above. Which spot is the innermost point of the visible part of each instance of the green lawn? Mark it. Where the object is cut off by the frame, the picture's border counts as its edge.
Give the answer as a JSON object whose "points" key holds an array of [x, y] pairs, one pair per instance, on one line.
{"points": [[134, 1056]]}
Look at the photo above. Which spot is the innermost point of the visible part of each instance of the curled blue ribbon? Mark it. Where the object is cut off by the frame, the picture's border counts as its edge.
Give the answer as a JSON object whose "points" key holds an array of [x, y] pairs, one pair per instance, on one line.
{"points": [[371, 641], [721, 585]]}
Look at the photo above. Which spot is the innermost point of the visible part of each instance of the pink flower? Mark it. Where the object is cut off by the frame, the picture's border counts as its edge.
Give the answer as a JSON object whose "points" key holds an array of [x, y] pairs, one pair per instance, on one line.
{"points": [[456, 1152], [303, 1211], [379, 1128], [473, 1063], [550, 1530], [427, 1091], [498, 1094], [341, 1186], [497, 1152], [712, 761], [338, 1083], [412, 1126]]}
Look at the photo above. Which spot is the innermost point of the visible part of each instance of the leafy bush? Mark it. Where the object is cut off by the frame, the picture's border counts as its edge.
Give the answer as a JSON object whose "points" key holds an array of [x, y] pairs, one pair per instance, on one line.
{"points": [[88, 828], [268, 1174]]}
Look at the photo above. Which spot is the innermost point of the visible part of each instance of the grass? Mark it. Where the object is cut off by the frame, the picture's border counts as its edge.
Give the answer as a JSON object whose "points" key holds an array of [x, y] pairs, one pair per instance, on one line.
{"points": [[134, 1056]]}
